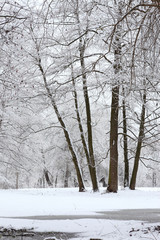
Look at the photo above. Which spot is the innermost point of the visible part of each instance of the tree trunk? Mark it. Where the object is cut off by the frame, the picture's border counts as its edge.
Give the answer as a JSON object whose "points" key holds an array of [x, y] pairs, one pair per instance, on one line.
{"points": [[125, 143], [56, 180], [139, 145], [66, 176], [91, 160], [46, 174], [17, 180], [92, 166], [113, 168], [66, 134], [94, 186]]}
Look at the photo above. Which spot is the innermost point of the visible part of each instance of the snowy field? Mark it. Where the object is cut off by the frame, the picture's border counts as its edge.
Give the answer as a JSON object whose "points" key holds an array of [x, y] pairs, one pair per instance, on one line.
{"points": [[42, 202]]}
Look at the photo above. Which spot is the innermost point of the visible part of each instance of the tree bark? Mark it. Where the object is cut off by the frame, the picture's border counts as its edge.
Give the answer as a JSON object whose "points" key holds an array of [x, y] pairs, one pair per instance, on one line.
{"points": [[113, 168], [139, 145], [125, 143]]}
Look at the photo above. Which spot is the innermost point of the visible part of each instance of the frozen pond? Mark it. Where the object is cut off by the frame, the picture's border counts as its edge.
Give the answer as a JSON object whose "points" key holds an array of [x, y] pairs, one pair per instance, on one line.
{"points": [[39, 236]]}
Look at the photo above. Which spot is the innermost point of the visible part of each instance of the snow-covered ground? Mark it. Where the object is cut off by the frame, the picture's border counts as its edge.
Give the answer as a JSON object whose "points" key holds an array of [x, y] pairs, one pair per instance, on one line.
{"points": [[38, 202]]}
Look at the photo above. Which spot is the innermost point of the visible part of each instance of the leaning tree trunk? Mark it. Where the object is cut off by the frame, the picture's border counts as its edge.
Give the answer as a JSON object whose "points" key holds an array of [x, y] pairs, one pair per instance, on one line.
{"points": [[139, 145], [92, 166], [66, 134], [81, 128], [91, 160]]}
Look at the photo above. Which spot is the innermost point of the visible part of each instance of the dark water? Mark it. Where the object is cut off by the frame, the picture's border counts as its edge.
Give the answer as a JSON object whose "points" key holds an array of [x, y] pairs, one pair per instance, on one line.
{"points": [[147, 215], [38, 236]]}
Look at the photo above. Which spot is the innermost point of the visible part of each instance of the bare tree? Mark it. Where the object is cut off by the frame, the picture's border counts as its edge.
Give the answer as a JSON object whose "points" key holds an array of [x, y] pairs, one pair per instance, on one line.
{"points": [[113, 171], [148, 13], [90, 155], [67, 137]]}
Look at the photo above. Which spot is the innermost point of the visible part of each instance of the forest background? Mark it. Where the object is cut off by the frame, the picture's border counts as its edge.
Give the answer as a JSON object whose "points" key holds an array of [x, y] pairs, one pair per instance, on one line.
{"points": [[79, 83]]}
